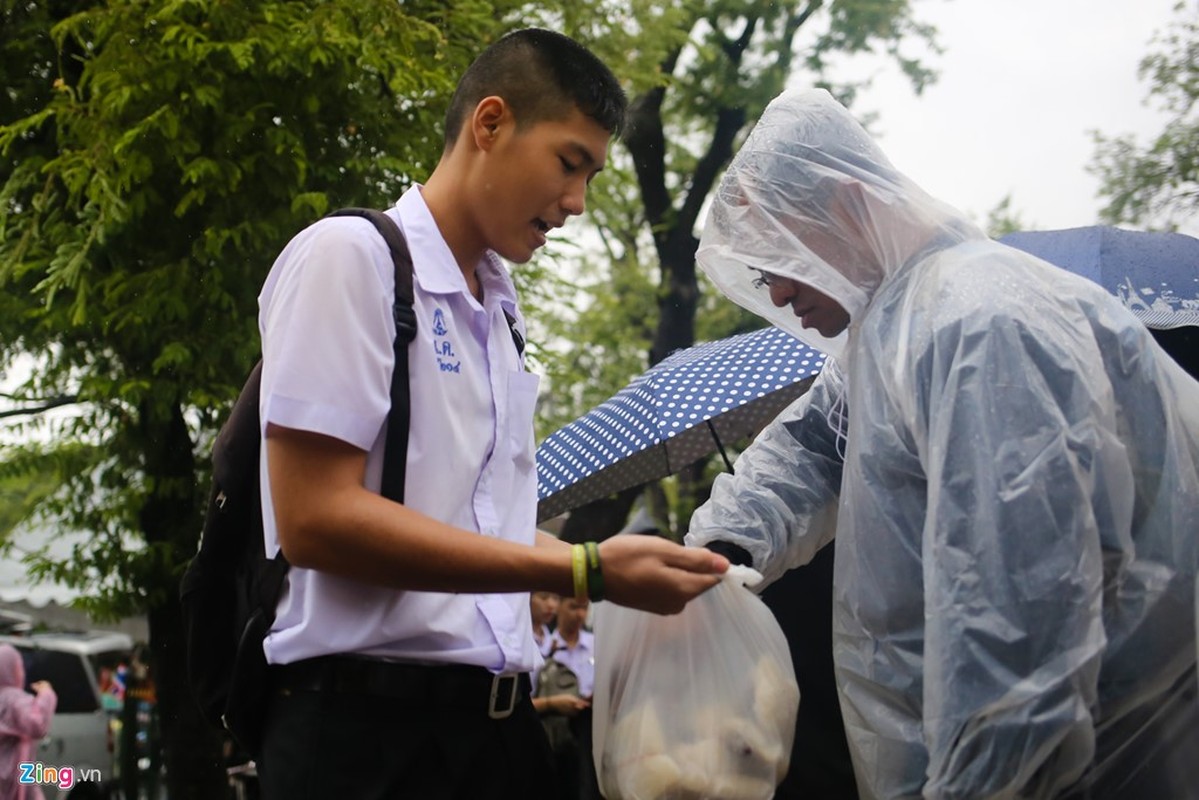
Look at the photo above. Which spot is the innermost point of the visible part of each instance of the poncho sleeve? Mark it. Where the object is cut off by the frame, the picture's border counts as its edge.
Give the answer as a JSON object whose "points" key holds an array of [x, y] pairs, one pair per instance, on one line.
{"points": [[780, 504]]}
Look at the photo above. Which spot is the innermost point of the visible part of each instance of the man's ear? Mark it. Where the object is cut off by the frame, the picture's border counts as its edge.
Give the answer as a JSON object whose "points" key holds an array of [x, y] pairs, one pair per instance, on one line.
{"points": [[491, 115]]}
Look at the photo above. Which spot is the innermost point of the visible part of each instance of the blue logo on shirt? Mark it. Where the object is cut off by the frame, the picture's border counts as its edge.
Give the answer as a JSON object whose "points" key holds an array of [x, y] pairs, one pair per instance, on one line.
{"points": [[443, 348]]}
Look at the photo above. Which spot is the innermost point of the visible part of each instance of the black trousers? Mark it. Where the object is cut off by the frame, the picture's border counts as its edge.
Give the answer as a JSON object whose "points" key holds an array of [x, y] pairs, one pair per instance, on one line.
{"points": [[367, 730], [588, 781]]}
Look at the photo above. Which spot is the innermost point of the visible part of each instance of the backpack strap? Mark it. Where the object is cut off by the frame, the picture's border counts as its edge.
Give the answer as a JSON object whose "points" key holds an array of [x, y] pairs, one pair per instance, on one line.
{"points": [[395, 453], [395, 450], [517, 339]]}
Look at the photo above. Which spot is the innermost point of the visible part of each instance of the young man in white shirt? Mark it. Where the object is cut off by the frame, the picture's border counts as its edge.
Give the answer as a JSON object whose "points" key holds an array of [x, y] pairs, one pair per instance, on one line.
{"points": [[398, 618]]}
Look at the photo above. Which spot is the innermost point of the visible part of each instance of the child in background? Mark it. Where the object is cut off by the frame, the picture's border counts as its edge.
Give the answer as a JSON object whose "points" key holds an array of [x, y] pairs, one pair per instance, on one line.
{"points": [[544, 610], [574, 648], [24, 719]]}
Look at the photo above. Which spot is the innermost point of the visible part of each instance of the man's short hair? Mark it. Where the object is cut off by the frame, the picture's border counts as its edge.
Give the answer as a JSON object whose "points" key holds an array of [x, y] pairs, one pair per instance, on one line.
{"points": [[542, 75]]}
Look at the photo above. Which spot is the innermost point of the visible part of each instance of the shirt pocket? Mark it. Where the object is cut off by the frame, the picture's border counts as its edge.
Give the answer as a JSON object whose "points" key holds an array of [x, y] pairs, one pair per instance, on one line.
{"points": [[522, 401]]}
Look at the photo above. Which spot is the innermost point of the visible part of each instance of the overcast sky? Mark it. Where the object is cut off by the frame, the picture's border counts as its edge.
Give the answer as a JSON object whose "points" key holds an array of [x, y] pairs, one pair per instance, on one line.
{"points": [[1022, 82]]}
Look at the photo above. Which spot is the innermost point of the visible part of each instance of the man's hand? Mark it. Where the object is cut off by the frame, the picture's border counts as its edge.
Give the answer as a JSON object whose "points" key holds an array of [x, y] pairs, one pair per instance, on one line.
{"points": [[654, 574]]}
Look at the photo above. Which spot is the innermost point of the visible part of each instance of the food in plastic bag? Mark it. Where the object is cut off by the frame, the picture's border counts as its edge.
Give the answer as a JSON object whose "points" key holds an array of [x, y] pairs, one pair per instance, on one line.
{"points": [[697, 706]]}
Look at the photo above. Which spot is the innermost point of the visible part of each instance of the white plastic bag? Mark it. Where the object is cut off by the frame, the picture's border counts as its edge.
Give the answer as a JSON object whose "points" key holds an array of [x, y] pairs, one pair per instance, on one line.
{"points": [[694, 706]]}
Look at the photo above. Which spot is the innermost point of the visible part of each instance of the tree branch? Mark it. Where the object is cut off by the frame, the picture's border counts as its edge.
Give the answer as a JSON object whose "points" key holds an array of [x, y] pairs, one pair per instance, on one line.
{"points": [[64, 400], [646, 140], [729, 122], [794, 22]]}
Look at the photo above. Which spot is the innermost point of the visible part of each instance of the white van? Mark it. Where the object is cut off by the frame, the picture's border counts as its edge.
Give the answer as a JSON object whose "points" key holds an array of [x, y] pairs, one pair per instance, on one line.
{"points": [[81, 733]]}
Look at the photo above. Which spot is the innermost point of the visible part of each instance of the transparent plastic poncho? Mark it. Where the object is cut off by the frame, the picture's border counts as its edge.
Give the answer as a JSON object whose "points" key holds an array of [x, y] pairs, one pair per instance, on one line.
{"points": [[1016, 506]]}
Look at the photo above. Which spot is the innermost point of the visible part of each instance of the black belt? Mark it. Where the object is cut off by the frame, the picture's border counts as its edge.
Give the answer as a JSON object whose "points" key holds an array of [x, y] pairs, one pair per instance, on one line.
{"points": [[445, 686]]}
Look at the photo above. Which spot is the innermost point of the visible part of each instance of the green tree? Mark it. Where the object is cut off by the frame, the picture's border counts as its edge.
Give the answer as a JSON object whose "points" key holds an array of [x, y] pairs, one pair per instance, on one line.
{"points": [[154, 157], [702, 72], [1157, 184], [1003, 219]]}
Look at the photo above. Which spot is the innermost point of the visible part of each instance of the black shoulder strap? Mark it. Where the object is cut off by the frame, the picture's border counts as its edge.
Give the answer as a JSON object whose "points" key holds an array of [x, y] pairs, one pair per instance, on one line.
{"points": [[395, 455], [517, 339], [395, 452]]}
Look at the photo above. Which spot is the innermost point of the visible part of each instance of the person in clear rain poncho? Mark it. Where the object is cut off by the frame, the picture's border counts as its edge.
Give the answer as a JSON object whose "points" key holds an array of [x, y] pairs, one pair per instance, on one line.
{"points": [[1010, 466]]}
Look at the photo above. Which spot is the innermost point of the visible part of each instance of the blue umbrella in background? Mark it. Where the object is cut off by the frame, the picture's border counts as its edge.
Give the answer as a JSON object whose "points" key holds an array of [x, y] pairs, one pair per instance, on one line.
{"points": [[1155, 274], [680, 410]]}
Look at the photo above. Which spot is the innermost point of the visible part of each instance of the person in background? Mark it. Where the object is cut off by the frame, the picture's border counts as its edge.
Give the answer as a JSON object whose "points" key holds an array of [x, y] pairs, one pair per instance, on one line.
{"points": [[574, 647], [543, 608], [140, 748], [1008, 461], [24, 719], [556, 696]]}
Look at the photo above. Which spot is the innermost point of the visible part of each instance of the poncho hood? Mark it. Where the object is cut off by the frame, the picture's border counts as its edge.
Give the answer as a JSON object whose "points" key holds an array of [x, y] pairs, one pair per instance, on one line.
{"points": [[810, 196]]}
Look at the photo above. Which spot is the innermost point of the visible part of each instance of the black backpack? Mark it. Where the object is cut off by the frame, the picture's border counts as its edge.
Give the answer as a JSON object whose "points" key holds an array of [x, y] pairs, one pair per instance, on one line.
{"points": [[230, 589]]}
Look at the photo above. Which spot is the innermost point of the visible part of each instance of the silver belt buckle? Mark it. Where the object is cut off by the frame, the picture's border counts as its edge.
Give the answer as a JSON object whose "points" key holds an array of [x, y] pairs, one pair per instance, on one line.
{"points": [[503, 696]]}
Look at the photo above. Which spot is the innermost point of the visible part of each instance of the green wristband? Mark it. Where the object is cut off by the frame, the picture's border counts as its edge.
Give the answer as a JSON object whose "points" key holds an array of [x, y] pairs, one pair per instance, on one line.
{"points": [[595, 573], [578, 568]]}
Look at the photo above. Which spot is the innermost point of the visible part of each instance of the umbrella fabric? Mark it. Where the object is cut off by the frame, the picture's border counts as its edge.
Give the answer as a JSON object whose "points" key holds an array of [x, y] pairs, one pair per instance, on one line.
{"points": [[673, 414], [1156, 275]]}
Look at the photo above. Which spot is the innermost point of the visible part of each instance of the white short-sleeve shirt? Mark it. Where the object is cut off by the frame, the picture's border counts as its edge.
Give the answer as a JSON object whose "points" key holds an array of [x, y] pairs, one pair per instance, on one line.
{"points": [[327, 331]]}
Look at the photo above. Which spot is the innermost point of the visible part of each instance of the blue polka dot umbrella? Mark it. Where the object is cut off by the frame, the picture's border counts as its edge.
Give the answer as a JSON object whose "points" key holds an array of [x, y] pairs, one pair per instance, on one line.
{"points": [[680, 410]]}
